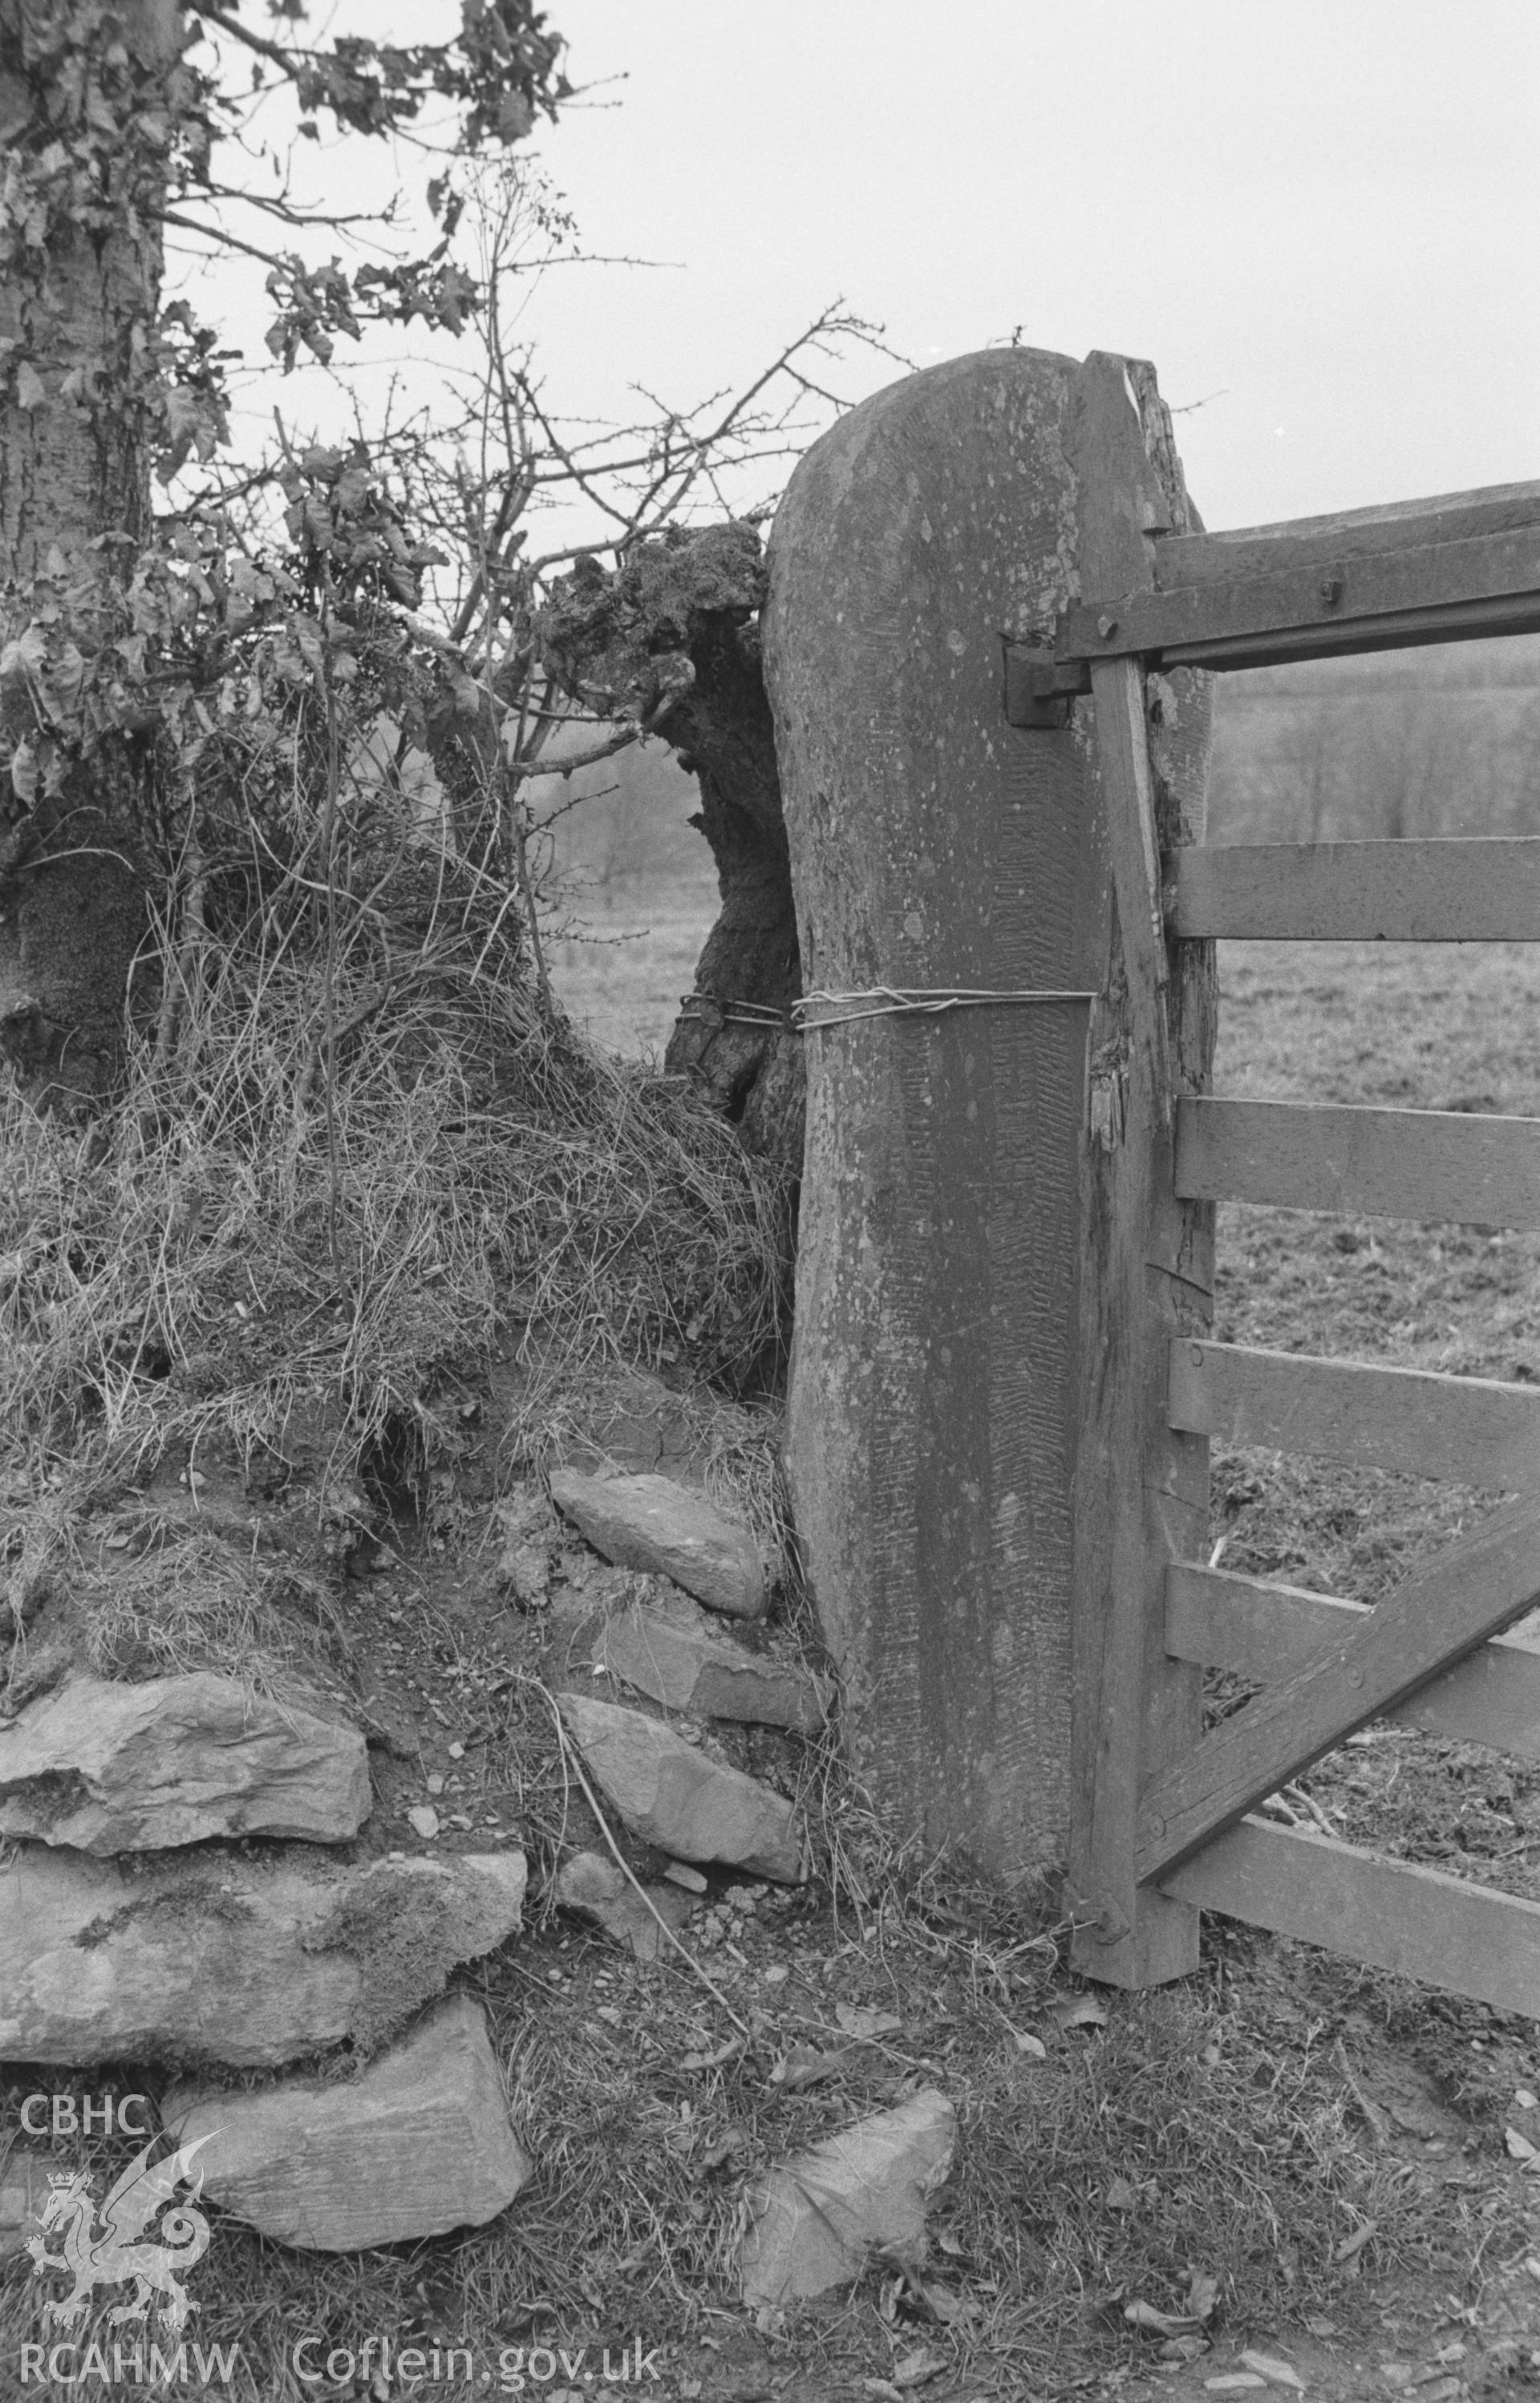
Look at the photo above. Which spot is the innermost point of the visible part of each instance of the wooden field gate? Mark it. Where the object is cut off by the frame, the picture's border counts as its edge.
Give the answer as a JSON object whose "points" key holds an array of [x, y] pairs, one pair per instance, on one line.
{"points": [[1162, 1816]]}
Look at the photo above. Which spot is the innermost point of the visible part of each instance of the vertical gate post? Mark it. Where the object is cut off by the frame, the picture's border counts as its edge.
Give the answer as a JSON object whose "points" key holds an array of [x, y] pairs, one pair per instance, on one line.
{"points": [[933, 1423], [1141, 1490], [968, 1403]]}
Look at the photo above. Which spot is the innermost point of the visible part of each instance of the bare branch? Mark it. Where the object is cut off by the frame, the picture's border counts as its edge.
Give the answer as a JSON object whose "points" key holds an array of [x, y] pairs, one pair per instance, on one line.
{"points": [[273, 205], [213, 15], [221, 238], [565, 766]]}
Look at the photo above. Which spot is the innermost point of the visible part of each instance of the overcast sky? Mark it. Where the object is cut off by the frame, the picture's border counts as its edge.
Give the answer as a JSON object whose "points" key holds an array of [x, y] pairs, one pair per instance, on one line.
{"points": [[1318, 218]]}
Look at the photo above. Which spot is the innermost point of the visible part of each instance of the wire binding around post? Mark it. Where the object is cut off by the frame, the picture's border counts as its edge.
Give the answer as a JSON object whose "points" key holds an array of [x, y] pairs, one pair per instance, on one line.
{"points": [[891, 1000], [846, 1009], [733, 1013]]}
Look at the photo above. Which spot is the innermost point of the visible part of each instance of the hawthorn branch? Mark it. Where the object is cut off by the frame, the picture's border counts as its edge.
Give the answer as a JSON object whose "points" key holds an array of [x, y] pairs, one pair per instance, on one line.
{"points": [[273, 205], [289, 61], [573, 759], [223, 238]]}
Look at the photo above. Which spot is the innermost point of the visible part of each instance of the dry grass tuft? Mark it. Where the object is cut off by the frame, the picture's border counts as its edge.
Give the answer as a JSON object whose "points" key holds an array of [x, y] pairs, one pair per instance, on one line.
{"points": [[196, 1601], [355, 1164]]}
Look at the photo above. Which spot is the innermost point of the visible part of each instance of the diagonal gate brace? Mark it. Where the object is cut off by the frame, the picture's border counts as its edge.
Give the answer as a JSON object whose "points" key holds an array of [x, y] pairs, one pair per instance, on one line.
{"points": [[1471, 1589]]}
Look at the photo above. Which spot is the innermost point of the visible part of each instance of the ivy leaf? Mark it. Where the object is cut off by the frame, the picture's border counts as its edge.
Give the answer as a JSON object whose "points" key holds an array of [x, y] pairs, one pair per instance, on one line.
{"points": [[249, 581], [27, 656], [352, 491], [23, 772], [307, 636], [151, 610], [31, 391], [66, 674], [192, 425], [455, 295]]}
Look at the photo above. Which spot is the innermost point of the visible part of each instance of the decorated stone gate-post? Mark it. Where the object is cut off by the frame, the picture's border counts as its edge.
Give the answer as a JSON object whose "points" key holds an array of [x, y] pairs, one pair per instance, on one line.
{"points": [[985, 1280]]}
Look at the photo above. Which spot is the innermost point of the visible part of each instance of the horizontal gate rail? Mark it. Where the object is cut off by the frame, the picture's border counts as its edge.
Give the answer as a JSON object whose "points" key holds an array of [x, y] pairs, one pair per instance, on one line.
{"points": [[1318, 543], [1219, 1620], [1319, 587], [1449, 889], [1443, 1164], [1419, 1923], [1471, 1430], [1474, 1588], [1450, 592]]}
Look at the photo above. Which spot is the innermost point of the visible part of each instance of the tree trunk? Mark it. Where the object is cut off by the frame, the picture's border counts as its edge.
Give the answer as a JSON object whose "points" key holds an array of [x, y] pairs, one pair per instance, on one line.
{"points": [[80, 291], [668, 640]]}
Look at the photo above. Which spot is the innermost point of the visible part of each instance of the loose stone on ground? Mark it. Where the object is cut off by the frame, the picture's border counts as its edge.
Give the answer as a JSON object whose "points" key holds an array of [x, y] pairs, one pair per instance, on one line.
{"points": [[602, 1891], [649, 1522], [673, 1795], [418, 2145], [221, 1960], [105, 1767], [814, 2221]]}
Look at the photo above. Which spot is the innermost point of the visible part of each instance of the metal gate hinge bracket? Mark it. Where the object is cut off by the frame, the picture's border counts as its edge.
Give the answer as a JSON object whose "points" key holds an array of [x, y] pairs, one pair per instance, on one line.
{"points": [[1038, 690]]}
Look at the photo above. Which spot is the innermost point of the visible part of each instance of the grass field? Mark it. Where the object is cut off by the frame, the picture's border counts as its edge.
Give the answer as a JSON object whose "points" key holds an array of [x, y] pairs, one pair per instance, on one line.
{"points": [[622, 974], [1451, 1028]]}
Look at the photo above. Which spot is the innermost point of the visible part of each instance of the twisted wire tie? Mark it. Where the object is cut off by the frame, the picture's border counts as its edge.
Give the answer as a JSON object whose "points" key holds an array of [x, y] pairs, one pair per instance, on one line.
{"points": [[891, 1001], [732, 1013], [885, 1001]]}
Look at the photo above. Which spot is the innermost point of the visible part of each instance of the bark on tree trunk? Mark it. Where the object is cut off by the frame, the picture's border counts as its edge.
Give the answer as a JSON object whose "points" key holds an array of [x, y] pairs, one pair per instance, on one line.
{"points": [[670, 640], [74, 309]]}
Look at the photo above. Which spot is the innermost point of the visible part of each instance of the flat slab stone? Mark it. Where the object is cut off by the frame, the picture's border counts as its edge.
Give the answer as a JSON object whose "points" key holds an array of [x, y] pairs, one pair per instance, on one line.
{"points": [[600, 1890], [650, 1523], [675, 1796], [224, 1960], [110, 1767], [814, 2221], [418, 2145], [687, 1669]]}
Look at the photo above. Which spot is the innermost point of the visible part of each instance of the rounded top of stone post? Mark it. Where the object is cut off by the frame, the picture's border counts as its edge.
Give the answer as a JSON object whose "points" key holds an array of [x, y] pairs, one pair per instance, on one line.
{"points": [[908, 471]]}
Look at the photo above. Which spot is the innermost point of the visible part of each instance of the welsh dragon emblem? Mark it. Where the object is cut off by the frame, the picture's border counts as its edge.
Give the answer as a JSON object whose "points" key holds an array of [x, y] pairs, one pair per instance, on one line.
{"points": [[113, 2257]]}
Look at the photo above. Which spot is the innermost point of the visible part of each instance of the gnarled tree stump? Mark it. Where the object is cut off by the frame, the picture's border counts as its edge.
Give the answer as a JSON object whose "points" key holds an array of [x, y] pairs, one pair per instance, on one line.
{"points": [[670, 641]]}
